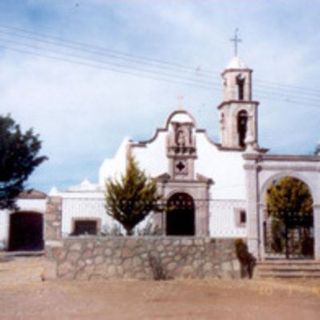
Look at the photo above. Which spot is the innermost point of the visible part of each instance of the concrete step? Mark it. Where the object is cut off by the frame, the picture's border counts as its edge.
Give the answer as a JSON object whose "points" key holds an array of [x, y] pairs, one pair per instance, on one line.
{"points": [[9, 254], [288, 269], [302, 275], [289, 262]]}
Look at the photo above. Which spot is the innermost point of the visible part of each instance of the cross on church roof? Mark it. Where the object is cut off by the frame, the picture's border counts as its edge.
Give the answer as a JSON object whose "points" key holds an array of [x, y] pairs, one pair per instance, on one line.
{"points": [[180, 102], [236, 40]]}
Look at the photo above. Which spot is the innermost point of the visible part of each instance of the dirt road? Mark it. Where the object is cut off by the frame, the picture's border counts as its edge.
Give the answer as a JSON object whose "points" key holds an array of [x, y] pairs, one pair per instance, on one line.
{"points": [[25, 296]]}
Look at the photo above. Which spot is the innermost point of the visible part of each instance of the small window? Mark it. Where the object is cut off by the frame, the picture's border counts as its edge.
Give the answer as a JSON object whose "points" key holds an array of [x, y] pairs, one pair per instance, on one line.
{"points": [[240, 217], [243, 217], [82, 227]]}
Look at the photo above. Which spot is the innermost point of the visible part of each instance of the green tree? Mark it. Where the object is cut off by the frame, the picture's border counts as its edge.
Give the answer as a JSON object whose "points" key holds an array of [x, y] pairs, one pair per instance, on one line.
{"points": [[289, 195], [18, 158], [131, 198], [287, 200]]}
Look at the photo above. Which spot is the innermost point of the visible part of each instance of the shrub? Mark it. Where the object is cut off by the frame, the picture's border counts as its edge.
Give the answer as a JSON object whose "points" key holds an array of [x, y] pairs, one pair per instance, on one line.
{"points": [[246, 259], [157, 268], [114, 231], [150, 230]]}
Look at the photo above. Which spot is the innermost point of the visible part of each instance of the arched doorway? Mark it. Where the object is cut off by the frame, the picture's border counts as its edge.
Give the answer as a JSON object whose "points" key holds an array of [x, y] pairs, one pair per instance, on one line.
{"points": [[26, 231], [181, 215], [288, 223]]}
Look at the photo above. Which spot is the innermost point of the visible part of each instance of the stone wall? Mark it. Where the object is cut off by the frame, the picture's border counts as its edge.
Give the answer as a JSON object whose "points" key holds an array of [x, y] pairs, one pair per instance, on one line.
{"points": [[129, 257], [53, 219]]}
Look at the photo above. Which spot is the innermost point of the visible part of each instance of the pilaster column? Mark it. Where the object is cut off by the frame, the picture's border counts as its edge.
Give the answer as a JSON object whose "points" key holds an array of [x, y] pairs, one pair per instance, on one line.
{"points": [[316, 223], [253, 232], [53, 220], [53, 236], [261, 219], [201, 218]]}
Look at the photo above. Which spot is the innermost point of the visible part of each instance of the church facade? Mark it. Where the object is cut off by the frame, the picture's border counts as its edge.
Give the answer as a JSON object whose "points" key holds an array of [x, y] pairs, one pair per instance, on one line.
{"points": [[218, 189]]}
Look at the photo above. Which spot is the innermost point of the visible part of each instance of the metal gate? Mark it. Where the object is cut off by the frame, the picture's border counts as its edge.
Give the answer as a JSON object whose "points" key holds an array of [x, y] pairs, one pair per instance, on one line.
{"points": [[290, 236]]}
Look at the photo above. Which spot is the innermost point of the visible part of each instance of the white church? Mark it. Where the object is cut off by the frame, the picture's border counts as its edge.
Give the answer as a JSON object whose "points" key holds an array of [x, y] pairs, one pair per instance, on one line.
{"points": [[219, 187]]}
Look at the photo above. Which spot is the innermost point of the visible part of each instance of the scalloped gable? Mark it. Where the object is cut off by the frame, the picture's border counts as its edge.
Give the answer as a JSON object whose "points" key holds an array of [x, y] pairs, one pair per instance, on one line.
{"points": [[114, 167], [181, 116]]}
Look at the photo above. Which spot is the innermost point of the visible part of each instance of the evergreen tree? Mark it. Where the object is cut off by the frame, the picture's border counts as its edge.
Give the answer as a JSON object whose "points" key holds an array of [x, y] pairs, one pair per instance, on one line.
{"points": [[18, 158], [130, 199]]}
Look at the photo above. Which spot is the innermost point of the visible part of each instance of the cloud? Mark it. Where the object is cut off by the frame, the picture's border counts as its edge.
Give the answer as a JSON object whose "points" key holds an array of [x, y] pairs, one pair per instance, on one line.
{"points": [[83, 113]]}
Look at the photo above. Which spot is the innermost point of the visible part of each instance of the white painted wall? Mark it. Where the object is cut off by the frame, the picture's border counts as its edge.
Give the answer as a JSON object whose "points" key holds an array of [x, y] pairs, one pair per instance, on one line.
{"points": [[225, 168], [114, 167], [36, 205], [152, 158], [82, 205], [222, 220], [88, 205], [4, 228]]}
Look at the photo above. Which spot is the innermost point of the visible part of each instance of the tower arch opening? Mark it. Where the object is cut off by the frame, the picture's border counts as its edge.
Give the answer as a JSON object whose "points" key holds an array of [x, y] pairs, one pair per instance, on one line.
{"points": [[240, 81], [242, 126]]}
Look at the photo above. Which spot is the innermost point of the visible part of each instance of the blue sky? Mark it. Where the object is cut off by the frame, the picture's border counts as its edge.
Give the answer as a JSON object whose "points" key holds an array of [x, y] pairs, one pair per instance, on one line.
{"points": [[82, 113]]}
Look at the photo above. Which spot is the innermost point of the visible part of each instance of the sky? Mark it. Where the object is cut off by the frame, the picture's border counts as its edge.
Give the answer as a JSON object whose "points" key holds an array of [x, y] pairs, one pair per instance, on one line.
{"points": [[86, 74]]}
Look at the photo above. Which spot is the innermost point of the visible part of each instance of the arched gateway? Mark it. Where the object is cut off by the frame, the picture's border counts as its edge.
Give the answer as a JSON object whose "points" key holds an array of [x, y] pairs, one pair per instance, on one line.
{"points": [[181, 216], [301, 230], [288, 220], [26, 231]]}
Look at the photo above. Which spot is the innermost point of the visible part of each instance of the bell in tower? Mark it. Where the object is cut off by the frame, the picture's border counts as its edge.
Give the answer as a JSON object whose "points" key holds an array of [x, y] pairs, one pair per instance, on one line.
{"points": [[238, 112]]}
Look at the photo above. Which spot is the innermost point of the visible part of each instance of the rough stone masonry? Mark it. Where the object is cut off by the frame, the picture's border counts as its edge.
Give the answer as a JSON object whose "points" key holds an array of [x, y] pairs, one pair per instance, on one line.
{"points": [[129, 257]]}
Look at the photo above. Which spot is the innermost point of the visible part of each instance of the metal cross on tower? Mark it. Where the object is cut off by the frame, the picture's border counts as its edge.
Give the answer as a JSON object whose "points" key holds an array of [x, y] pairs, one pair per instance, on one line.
{"points": [[180, 102], [236, 40]]}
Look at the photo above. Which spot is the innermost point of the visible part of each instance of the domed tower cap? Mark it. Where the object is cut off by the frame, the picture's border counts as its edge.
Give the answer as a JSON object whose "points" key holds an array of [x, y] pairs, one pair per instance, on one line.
{"points": [[236, 63]]}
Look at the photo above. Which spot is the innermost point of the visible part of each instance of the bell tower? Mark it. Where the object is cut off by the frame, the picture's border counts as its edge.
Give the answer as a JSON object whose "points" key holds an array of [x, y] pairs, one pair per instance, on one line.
{"points": [[238, 112]]}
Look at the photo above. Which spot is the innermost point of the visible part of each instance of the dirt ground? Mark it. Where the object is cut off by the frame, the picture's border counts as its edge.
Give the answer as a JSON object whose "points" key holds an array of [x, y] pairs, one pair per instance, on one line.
{"points": [[24, 296]]}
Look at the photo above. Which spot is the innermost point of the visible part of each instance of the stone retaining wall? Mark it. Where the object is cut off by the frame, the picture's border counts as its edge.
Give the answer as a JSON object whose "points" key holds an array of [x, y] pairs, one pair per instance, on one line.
{"points": [[129, 257]]}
